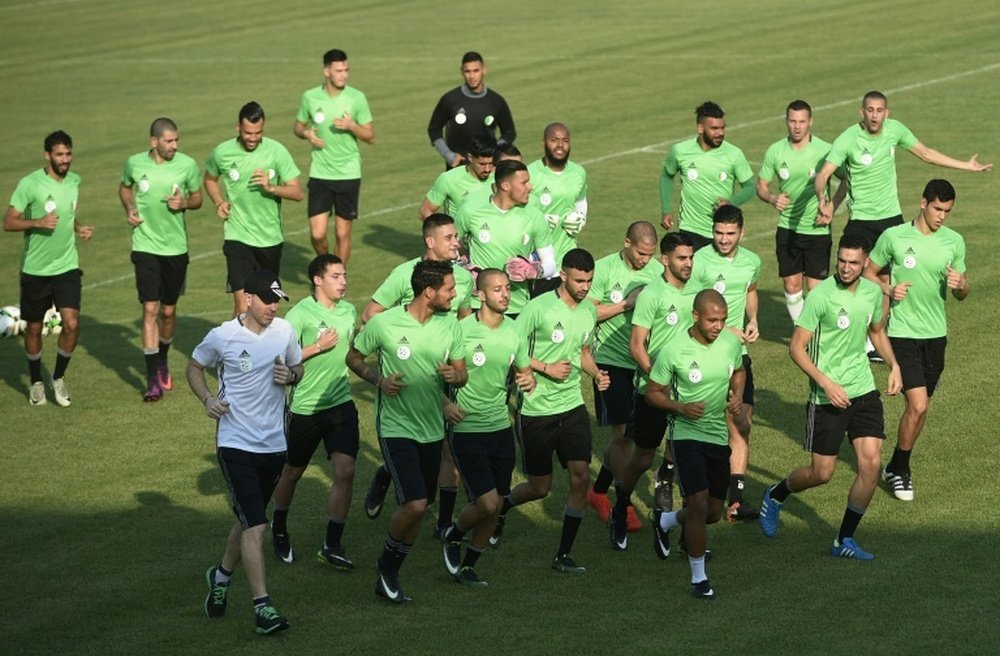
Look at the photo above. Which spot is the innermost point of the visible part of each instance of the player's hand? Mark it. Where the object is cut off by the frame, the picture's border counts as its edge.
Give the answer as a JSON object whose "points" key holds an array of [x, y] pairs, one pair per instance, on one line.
{"points": [[895, 383], [453, 413], [825, 215], [313, 139], [262, 179], [392, 385], [223, 209], [630, 299], [719, 202], [781, 201], [282, 373], [525, 381], [48, 222], [976, 166], [449, 373], [558, 370], [456, 161], [751, 332], [693, 410], [898, 291], [734, 403], [327, 339], [955, 279], [553, 220], [133, 218], [574, 222], [520, 269], [216, 407], [667, 221], [344, 123], [602, 380], [84, 232], [175, 201], [836, 394]]}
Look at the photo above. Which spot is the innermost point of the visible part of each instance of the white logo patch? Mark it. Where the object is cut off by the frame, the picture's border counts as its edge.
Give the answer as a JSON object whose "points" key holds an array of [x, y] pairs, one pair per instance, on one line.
{"points": [[525, 239], [723, 176], [484, 236], [488, 120], [246, 364], [784, 174], [558, 336], [692, 174], [909, 261], [510, 360], [843, 322], [545, 199], [403, 352], [720, 286], [461, 118], [479, 358], [695, 376], [271, 173], [319, 118], [234, 174], [50, 206], [866, 159], [617, 296], [143, 186], [672, 319], [812, 173]]}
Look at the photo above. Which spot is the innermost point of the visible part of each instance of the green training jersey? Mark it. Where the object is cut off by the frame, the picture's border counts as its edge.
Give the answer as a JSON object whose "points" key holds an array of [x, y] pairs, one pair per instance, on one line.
{"points": [[325, 382], [796, 171], [923, 261], [398, 290], [664, 311], [870, 163], [255, 217], [730, 276], [706, 176], [614, 280], [838, 320], [413, 349], [493, 236], [48, 252], [340, 158], [452, 187], [696, 372], [557, 193], [162, 231], [553, 331], [490, 353]]}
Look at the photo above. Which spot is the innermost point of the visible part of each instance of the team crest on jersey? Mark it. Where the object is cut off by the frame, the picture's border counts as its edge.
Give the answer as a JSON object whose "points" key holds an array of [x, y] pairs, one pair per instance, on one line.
{"points": [[892, 152], [403, 349], [843, 321], [694, 373], [143, 184], [672, 316], [866, 158], [460, 117], [234, 173], [322, 328], [50, 205], [525, 238], [910, 258], [244, 361], [692, 173], [478, 355], [723, 176], [720, 284], [319, 118], [545, 198], [617, 294], [558, 333], [488, 121], [783, 172], [484, 233], [271, 173]]}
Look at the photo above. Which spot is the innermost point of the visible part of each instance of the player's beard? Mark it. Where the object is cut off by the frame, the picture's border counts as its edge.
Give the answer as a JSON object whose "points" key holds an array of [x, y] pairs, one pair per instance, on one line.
{"points": [[556, 161]]}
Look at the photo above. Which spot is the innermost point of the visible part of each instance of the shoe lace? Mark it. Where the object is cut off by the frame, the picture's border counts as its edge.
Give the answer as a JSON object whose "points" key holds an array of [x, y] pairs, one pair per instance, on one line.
{"points": [[267, 613], [219, 593]]}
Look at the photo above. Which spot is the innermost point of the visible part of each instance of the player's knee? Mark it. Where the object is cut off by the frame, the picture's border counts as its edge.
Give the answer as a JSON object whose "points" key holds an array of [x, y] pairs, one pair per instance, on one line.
{"points": [[292, 474], [416, 508], [343, 472], [168, 311], [643, 459], [343, 229], [489, 503], [917, 407], [71, 323]]}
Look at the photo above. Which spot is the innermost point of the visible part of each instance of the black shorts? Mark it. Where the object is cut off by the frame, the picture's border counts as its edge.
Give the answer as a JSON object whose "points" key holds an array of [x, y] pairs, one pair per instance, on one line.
{"points": [[414, 466], [251, 478], [159, 278], [485, 460], [699, 241], [339, 195], [921, 361], [614, 405], [872, 230], [39, 293], [242, 260], [337, 427], [748, 387], [701, 466], [649, 424], [808, 254], [827, 424], [567, 434]]}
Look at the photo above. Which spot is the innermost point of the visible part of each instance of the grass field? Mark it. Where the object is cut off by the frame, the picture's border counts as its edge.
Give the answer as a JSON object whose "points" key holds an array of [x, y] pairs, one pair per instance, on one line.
{"points": [[112, 509]]}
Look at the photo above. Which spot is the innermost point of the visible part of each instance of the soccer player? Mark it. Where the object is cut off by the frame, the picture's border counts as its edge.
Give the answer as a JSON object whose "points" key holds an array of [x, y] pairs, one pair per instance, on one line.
{"points": [[558, 327], [618, 279], [321, 408], [662, 309], [419, 348], [927, 258], [802, 240], [452, 187], [157, 187], [481, 436], [502, 230], [828, 344], [708, 166], [732, 270], [257, 356], [698, 376], [43, 207], [332, 118], [468, 111], [259, 173], [867, 153], [559, 187]]}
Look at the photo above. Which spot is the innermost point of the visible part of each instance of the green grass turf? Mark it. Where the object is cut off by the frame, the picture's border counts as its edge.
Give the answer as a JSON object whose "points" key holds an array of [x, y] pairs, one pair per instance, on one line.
{"points": [[111, 510]]}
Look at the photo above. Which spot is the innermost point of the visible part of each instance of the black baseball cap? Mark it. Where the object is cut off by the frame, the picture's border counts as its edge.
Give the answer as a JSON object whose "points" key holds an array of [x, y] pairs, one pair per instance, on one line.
{"points": [[266, 286]]}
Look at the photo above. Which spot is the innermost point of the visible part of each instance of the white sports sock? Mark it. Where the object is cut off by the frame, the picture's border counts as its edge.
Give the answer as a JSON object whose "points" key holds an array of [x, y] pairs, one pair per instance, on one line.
{"points": [[697, 569], [668, 521], [793, 303]]}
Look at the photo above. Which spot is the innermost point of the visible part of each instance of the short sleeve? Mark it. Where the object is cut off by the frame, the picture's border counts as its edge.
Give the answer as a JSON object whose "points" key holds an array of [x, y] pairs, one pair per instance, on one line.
{"points": [[362, 112], [741, 167], [208, 353], [287, 170], [766, 172], [303, 114], [127, 177], [809, 319], [193, 179]]}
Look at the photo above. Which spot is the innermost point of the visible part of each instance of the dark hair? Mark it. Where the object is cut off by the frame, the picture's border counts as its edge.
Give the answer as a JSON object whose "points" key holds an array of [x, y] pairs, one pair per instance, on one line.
{"points": [[728, 214], [320, 264], [251, 112], [435, 221], [798, 106], [672, 240], [482, 145], [854, 240], [939, 189], [334, 55], [578, 259], [57, 138], [471, 56], [484, 277], [874, 95], [708, 109], [429, 274], [506, 169], [161, 125], [505, 150]]}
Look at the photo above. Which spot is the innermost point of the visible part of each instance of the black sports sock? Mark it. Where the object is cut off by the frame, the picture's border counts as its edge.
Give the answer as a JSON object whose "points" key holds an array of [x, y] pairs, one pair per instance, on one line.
{"points": [[447, 505], [736, 483], [571, 524], [62, 361], [35, 368], [507, 505], [279, 521], [260, 602], [454, 534], [164, 349], [623, 499], [334, 531], [152, 364], [781, 491], [603, 480], [471, 556], [900, 463], [852, 516]]}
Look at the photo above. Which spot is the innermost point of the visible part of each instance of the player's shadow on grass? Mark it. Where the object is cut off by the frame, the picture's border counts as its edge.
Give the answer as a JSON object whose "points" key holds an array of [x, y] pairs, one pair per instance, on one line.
{"points": [[14, 368], [774, 323], [189, 334], [295, 260], [116, 346], [406, 244]]}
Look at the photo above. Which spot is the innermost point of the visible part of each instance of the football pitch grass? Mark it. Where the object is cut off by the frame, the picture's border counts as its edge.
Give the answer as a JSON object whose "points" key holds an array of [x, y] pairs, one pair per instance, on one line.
{"points": [[113, 509]]}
